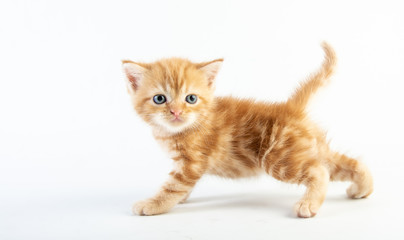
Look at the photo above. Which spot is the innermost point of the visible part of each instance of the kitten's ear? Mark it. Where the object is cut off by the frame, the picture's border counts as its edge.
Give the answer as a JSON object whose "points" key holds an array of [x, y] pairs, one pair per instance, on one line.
{"points": [[134, 73], [211, 69]]}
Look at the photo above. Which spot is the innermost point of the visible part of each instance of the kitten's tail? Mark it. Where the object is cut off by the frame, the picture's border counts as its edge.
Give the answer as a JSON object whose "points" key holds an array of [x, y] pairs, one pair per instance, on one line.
{"points": [[307, 88]]}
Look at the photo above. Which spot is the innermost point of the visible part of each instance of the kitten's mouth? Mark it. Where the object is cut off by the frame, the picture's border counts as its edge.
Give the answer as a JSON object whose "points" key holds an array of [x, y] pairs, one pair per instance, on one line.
{"points": [[177, 119]]}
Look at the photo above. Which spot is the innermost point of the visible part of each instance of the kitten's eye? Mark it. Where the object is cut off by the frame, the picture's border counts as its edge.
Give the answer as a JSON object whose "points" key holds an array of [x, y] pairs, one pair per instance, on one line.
{"points": [[191, 98], [159, 99]]}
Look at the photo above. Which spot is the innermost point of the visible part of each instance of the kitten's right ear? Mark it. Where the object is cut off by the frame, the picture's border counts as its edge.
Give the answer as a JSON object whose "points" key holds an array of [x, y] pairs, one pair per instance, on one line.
{"points": [[134, 73]]}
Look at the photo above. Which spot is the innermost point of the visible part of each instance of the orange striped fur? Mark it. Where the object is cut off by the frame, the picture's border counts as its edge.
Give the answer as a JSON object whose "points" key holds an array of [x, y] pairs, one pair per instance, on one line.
{"points": [[236, 138]]}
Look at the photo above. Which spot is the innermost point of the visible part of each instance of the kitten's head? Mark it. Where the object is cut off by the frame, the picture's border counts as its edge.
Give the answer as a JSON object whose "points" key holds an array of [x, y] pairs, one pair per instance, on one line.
{"points": [[173, 94]]}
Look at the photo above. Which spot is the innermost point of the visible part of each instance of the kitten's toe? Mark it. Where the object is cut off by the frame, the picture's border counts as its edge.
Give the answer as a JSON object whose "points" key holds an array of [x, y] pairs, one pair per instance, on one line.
{"points": [[185, 198], [148, 207], [305, 209], [137, 208], [356, 192]]}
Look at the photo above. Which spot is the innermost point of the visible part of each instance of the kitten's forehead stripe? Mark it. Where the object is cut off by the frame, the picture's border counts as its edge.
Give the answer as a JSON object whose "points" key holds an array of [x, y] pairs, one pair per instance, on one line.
{"points": [[174, 75]]}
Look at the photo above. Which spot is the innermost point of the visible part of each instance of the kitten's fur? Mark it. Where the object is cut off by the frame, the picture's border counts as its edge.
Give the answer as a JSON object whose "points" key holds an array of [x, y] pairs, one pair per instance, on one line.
{"points": [[235, 138]]}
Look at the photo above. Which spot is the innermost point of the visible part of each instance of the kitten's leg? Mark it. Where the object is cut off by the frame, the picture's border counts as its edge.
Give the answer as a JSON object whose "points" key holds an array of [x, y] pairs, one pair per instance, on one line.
{"points": [[316, 180], [176, 188], [344, 168]]}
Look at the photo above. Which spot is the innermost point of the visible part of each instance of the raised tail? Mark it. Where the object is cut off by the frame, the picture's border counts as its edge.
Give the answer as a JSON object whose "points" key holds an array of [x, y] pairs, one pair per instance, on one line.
{"points": [[302, 95]]}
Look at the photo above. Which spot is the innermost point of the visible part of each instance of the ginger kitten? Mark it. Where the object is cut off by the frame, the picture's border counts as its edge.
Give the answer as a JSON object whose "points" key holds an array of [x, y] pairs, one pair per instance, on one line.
{"points": [[236, 138]]}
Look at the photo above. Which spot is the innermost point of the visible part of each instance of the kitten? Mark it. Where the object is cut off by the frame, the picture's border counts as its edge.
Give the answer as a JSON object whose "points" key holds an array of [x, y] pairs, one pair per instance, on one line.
{"points": [[236, 138]]}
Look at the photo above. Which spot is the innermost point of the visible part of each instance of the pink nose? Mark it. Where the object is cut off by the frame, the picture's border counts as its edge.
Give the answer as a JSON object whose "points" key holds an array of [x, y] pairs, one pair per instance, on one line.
{"points": [[176, 113]]}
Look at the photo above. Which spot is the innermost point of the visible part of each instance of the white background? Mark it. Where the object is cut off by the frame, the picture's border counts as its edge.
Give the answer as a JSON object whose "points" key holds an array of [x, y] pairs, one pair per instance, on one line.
{"points": [[74, 156]]}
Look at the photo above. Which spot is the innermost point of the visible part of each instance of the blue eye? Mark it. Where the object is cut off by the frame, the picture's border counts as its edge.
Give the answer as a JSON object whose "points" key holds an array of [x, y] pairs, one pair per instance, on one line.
{"points": [[191, 98], [159, 99]]}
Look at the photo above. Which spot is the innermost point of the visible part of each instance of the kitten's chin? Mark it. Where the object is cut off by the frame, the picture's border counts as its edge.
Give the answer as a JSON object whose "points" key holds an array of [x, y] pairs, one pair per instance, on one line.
{"points": [[175, 126]]}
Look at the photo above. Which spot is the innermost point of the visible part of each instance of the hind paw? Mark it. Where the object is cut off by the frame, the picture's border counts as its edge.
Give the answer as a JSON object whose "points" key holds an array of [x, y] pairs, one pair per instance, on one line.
{"points": [[356, 192]]}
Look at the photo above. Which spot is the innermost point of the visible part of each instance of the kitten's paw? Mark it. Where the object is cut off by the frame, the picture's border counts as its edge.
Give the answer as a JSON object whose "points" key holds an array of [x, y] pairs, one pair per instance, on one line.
{"points": [[148, 207], [185, 198], [356, 192], [306, 209]]}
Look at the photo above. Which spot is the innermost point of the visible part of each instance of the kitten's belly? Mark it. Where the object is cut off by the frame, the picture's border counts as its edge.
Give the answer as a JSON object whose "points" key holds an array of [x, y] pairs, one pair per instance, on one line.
{"points": [[233, 168]]}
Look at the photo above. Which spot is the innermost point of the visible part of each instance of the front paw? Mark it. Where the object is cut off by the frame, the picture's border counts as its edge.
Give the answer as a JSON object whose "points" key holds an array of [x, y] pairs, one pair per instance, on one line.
{"points": [[149, 207], [306, 209]]}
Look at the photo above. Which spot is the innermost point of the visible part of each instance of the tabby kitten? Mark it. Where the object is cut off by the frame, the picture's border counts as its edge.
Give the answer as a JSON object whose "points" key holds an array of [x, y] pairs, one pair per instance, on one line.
{"points": [[235, 138]]}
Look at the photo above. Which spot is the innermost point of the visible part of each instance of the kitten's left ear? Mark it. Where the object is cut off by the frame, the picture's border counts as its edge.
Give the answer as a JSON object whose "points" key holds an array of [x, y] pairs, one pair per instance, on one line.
{"points": [[211, 69]]}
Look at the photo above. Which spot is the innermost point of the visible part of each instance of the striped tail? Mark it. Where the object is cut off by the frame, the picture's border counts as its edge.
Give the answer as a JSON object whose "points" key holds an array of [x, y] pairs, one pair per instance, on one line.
{"points": [[302, 95]]}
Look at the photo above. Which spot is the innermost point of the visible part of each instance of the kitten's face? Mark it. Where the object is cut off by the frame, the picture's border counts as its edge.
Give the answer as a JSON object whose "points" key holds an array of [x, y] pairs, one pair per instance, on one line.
{"points": [[172, 94]]}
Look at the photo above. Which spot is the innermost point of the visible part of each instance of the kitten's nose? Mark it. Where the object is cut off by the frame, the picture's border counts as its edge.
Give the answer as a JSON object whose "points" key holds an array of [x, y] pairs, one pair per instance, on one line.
{"points": [[176, 113]]}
